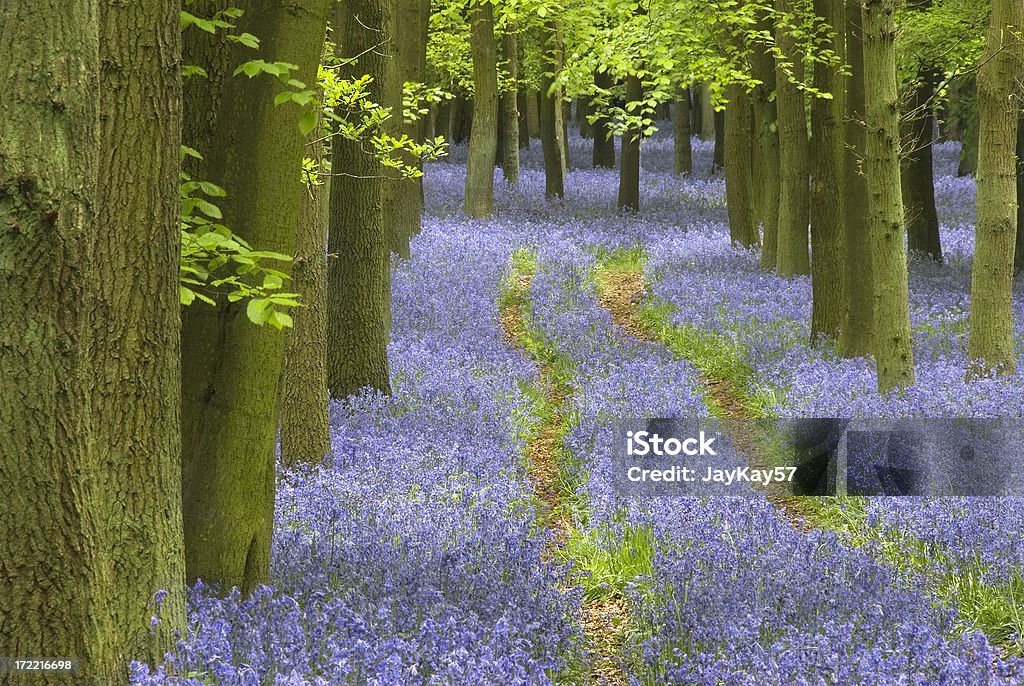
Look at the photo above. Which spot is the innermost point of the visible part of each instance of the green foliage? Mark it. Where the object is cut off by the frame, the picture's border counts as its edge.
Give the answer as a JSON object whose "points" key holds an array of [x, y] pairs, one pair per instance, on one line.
{"points": [[611, 557]]}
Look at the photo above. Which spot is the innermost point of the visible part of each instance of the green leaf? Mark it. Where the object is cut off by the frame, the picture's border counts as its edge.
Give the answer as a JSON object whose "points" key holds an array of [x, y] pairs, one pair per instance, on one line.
{"points": [[257, 312], [186, 295], [307, 122]]}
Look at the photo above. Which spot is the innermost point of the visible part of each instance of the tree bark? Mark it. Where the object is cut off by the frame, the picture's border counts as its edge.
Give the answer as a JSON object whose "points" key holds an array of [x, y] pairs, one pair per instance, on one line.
{"points": [[1018, 254], [766, 150], [893, 351], [990, 346], [550, 124], [629, 170], [827, 187], [604, 144], [708, 132], [533, 98], [682, 145], [522, 104], [697, 110], [483, 142], [857, 335], [583, 115], [443, 121], [917, 180], [738, 181], [253, 148], [510, 111], [305, 427], [794, 158], [969, 133], [358, 269], [718, 158]]}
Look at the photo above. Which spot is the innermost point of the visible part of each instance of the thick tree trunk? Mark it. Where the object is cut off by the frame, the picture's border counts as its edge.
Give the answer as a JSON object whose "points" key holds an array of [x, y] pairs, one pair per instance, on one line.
{"points": [[409, 52], [794, 158], [766, 150], [510, 111], [857, 335], [55, 568], [681, 143], [358, 269], [990, 347], [1018, 254], [483, 143], [231, 369], [828, 244], [305, 428], [550, 123], [708, 131], [917, 179], [893, 351], [604, 143], [629, 170], [738, 182]]}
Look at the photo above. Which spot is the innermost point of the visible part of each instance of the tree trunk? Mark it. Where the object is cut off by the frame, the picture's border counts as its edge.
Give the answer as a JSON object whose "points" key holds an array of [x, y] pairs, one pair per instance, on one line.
{"points": [[990, 347], [550, 124], [510, 111], [583, 114], [305, 428], [857, 335], [828, 245], [766, 150], [533, 99], [358, 269], [718, 158], [629, 171], [708, 130], [443, 121], [604, 143], [462, 119], [409, 52], [794, 158], [231, 369], [893, 351], [1018, 255], [479, 198], [917, 180], [522, 103], [683, 146], [696, 110], [969, 133], [738, 182], [563, 124]]}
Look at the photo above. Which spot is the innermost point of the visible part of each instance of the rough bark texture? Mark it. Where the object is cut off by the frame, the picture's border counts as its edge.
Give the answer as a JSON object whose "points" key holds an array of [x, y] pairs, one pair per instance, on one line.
{"points": [[231, 369], [483, 143], [682, 145], [1018, 254], [990, 346], [857, 335], [893, 352], [604, 145], [766, 150], [629, 171], [409, 51], [917, 179], [794, 158], [358, 269], [305, 429], [510, 111], [739, 189], [550, 124], [827, 187], [55, 580]]}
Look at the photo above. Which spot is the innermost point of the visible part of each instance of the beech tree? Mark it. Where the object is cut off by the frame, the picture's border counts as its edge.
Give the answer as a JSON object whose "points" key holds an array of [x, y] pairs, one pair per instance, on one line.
{"points": [[990, 346], [739, 186], [682, 162], [483, 142]]}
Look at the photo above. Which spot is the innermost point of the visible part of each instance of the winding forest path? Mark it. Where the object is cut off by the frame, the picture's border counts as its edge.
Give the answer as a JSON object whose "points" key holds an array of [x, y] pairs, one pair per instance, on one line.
{"points": [[604, 620], [621, 292]]}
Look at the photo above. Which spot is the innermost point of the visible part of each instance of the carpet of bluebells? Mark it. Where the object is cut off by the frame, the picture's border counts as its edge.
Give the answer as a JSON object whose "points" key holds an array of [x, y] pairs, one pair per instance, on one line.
{"points": [[415, 556]]}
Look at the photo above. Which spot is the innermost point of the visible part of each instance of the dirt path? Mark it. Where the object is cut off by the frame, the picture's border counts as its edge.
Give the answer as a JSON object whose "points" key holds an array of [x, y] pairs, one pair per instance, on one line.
{"points": [[604, 620], [621, 293]]}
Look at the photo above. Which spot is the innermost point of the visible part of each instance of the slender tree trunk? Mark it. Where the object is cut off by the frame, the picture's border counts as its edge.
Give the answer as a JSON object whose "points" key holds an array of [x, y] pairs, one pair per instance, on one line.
{"points": [[828, 244], [550, 124], [479, 199], [604, 143], [56, 580], [462, 119], [718, 158], [1018, 255], [766, 151], [794, 157], [358, 270], [707, 129], [629, 171], [409, 52], [893, 351], [522, 103], [969, 134], [510, 111], [696, 110], [918, 181], [990, 347], [533, 98], [443, 121], [683, 146], [738, 182], [857, 335], [562, 127], [305, 428], [583, 114]]}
